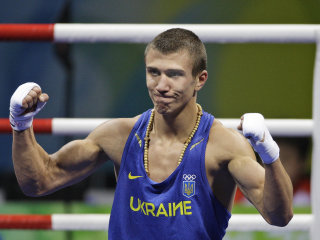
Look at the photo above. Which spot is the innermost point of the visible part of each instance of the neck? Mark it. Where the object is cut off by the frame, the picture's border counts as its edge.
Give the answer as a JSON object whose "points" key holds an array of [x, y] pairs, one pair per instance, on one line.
{"points": [[165, 129], [177, 125]]}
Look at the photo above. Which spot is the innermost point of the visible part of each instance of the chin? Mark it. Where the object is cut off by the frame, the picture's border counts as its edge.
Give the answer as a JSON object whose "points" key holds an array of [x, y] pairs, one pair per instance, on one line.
{"points": [[162, 108]]}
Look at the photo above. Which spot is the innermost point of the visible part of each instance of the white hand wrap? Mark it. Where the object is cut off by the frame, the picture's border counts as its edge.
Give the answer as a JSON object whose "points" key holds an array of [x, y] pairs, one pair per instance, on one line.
{"points": [[254, 128], [18, 120]]}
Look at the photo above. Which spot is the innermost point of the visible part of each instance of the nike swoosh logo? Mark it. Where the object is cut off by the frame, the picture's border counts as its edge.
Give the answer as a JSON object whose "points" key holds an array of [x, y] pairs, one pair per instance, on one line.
{"points": [[133, 177], [139, 139], [194, 145]]}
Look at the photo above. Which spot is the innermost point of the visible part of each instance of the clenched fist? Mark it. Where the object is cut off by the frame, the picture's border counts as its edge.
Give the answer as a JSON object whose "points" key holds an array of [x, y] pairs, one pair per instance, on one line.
{"points": [[255, 130], [25, 103]]}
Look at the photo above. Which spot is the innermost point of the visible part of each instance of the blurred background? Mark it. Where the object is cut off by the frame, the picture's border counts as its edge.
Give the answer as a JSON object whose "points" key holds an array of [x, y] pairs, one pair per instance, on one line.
{"points": [[107, 80]]}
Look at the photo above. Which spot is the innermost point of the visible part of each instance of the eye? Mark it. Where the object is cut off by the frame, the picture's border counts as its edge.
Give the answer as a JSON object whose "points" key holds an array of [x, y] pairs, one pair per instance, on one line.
{"points": [[174, 73], [153, 71]]}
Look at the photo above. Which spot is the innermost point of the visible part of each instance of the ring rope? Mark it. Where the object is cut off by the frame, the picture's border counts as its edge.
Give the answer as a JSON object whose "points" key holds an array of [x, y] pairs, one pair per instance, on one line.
{"points": [[142, 33], [83, 126], [100, 222]]}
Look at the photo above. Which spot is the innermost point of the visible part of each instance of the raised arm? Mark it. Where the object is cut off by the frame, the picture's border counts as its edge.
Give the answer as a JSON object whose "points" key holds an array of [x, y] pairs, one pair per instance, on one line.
{"points": [[268, 188], [40, 173]]}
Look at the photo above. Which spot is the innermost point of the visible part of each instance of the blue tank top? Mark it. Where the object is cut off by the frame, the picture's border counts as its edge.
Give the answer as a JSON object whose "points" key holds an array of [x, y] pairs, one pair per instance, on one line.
{"points": [[181, 207]]}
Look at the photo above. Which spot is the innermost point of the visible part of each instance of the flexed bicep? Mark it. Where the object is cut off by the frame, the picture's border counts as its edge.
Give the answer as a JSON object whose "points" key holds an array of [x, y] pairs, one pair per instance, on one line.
{"points": [[73, 162], [40, 173]]}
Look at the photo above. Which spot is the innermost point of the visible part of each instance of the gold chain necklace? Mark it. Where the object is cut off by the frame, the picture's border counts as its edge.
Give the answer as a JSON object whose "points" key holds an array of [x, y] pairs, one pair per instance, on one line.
{"points": [[186, 143]]}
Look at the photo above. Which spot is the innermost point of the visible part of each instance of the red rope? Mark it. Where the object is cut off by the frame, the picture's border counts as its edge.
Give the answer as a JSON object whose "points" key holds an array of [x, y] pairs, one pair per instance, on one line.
{"points": [[43, 125], [5, 125], [25, 221], [26, 32]]}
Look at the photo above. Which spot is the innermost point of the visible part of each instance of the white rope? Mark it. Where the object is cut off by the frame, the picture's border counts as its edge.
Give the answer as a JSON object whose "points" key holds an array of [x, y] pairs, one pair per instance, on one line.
{"points": [[75, 126], [90, 222], [277, 127], [238, 222], [255, 222], [220, 33], [280, 127]]}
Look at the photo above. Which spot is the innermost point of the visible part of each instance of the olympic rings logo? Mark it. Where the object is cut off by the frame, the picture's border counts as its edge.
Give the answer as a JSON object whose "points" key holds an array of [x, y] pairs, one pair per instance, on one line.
{"points": [[189, 177]]}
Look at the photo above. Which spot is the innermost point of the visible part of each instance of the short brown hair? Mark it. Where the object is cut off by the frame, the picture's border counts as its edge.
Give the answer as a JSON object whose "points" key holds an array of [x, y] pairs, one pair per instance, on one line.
{"points": [[177, 39]]}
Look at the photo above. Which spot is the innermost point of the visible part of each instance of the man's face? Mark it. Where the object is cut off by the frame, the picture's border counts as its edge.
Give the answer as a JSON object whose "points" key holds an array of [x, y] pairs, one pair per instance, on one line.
{"points": [[169, 79]]}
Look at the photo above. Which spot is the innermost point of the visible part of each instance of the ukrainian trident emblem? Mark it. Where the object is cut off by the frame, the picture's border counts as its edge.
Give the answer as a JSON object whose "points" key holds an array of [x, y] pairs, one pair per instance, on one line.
{"points": [[189, 185]]}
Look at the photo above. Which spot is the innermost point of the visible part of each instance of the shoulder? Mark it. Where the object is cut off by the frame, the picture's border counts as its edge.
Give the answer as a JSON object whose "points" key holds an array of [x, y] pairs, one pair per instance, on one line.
{"points": [[115, 129], [226, 143], [111, 136]]}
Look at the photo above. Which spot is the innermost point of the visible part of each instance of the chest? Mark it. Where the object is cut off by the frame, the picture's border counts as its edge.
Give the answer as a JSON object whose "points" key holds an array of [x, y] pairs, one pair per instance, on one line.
{"points": [[163, 158]]}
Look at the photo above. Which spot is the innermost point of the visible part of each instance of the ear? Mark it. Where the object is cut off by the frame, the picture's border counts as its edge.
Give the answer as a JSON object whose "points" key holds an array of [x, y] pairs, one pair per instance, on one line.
{"points": [[201, 80]]}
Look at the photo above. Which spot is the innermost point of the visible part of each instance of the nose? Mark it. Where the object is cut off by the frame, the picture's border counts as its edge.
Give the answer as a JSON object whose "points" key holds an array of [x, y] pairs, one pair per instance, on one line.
{"points": [[163, 84]]}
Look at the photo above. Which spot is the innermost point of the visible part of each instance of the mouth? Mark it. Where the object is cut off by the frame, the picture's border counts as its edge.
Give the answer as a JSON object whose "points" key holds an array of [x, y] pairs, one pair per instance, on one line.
{"points": [[163, 99]]}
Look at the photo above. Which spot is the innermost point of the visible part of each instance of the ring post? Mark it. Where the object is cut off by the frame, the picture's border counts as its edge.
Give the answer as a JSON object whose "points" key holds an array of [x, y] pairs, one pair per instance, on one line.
{"points": [[315, 169]]}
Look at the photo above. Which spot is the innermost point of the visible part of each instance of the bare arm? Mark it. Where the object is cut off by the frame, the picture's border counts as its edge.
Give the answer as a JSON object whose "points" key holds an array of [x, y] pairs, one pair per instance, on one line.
{"points": [[269, 189], [278, 193], [39, 173]]}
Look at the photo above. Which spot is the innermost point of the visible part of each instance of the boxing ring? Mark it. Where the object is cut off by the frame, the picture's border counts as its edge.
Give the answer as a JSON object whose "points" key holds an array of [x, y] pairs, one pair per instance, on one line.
{"points": [[142, 33]]}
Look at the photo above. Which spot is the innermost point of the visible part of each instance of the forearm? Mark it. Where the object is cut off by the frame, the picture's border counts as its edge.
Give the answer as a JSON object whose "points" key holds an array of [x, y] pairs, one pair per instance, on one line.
{"points": [[39, 173], [277, 195], [29, 161], [274, 199]]}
